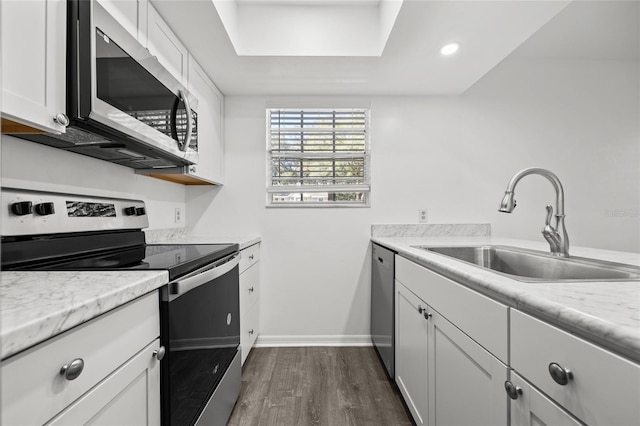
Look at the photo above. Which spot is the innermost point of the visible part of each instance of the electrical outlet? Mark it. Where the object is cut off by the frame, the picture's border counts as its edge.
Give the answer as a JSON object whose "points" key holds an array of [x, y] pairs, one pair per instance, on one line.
{"points": [[178, 215], [422, 215]]}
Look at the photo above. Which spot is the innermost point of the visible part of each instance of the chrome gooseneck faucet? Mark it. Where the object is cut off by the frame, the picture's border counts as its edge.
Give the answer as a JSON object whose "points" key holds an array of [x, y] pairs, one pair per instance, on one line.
{"points": [[557, 236]]}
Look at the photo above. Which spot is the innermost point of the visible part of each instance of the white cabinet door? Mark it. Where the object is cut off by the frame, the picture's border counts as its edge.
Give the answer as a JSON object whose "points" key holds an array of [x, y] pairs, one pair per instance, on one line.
{"points": [[411, 352], [602, 387], [165, 45], [533, 408], [249, 330], [466, 383], [33, 36], [249, 298], [210, 119], [125, 12], [129, 396]]}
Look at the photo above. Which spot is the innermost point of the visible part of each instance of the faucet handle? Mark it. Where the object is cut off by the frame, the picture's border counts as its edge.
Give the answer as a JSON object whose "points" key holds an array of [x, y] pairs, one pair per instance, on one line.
{"points": [[547, 222], [549, 232]]}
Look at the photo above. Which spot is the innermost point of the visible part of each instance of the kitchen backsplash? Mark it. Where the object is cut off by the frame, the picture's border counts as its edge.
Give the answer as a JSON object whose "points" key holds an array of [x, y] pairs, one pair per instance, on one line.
{"points": [[432, 230], [155, 235]]}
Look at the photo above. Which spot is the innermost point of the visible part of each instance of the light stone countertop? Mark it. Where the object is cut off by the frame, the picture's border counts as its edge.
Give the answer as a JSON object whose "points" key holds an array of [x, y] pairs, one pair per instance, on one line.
{"points": [[243, 242], [607, 313], [35, 306], [181, 236]]}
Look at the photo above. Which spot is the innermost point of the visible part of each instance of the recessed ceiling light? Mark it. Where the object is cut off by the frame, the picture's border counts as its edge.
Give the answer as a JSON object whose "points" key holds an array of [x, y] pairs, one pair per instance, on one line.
{"points": [[449, 49]]}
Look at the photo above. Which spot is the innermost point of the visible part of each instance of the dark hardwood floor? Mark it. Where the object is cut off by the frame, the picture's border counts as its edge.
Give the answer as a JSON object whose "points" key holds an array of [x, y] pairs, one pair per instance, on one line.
{"points": [[329, 386]]}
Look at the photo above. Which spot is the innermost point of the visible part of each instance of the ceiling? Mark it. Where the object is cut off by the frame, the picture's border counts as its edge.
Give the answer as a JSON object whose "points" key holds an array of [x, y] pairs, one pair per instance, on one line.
{"points": [[411, 64]]}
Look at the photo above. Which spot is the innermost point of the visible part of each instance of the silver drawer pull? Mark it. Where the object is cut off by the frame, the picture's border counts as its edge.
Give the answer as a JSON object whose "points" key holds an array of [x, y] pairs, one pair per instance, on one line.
{"points": [[159, 353], [559, 374], [250, 289], [512, 390], [251, 331], [250, 257], [72, 370]]}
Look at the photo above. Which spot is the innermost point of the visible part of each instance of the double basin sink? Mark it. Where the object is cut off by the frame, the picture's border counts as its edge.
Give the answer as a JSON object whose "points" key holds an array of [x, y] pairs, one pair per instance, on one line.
{"points": [[534, 266]]}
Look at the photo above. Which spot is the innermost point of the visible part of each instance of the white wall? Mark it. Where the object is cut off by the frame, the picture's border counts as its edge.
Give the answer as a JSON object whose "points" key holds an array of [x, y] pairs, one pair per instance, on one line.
{"points": [[453, 156], [33, 166]]}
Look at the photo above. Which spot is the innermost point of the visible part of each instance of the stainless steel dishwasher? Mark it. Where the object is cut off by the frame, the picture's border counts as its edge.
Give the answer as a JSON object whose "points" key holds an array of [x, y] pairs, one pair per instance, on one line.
{"points": [[382, 307]]}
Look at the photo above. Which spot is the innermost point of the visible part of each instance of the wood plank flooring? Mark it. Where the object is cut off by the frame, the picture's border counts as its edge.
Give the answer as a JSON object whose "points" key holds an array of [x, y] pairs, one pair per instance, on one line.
{"points": [[324, 386]]}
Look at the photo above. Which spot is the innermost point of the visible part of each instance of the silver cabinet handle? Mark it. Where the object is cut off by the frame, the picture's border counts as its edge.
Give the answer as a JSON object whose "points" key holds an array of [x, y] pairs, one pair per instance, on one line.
{"points": [[512, 390], [159, 353], [61, 119], [420, 309], [427, 315], [250, 257], [250, 289], [72, 370], [251, 331], [559, 374]]}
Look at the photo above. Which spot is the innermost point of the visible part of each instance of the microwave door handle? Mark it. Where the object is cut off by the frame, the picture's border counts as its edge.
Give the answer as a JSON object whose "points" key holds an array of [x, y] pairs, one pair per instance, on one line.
{"points": [[180, 287], [187, 139], [173, 121]]}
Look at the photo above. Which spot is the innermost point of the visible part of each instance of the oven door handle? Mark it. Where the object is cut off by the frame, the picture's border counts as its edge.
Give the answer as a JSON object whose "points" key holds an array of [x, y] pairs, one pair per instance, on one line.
{"points": [[180, 287]]}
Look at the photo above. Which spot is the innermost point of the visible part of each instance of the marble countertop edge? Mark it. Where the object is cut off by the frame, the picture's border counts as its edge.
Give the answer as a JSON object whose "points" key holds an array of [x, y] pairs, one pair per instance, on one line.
{"points": [[28, 318]]}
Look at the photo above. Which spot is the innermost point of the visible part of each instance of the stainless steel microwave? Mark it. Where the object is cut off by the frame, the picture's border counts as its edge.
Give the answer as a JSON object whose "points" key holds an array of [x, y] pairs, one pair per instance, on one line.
{"points": [[123, 106]]}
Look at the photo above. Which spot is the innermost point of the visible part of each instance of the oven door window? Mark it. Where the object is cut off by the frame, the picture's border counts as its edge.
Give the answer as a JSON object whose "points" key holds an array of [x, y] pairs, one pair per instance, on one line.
{"points": [[126, 85], [203, 333]]}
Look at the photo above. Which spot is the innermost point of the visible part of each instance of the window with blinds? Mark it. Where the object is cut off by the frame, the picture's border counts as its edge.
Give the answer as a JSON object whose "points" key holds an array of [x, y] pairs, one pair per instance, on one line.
{"points": [[318, 157]]}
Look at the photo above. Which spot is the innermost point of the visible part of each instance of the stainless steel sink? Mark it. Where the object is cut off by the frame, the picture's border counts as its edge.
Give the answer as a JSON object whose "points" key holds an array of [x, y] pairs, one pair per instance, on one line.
{"points": [[533, 266]]}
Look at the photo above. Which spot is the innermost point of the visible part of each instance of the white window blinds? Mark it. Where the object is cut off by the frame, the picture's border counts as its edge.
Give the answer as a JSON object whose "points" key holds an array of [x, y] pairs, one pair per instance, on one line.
{"points": [[318, 157]]}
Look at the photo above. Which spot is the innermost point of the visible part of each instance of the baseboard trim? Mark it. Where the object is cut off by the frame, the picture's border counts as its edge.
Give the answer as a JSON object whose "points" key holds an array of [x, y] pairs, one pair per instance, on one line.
{"points": [[330, 340]]}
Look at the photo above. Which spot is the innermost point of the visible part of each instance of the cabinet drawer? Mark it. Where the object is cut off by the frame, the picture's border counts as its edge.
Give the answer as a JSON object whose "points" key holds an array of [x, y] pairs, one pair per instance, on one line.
{"points": [[129, 396], [249, 288], [605, 388], [249, 330], [33, 390], [531, 407], [249, 256], [480, 317]]}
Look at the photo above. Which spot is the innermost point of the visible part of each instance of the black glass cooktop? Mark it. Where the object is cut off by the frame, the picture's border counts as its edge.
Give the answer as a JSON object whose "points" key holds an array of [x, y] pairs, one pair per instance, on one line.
{"points": [[178, 259]]}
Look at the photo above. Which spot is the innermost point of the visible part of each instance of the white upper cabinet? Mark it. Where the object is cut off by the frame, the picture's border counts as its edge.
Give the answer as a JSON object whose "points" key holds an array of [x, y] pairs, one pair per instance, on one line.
{"points": [[33, 35], [210, 111], [165, 45], [131, 14]]}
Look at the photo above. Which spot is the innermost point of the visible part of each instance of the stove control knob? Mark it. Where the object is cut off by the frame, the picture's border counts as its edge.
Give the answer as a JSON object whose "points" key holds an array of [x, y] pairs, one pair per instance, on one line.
{"points": [[130, 211], [22, 208], [44, 209], [140, 211]]}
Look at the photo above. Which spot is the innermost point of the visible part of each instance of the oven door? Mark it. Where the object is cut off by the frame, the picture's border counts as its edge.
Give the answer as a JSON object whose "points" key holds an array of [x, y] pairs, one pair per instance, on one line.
{"points": [[123, 87], [200, 329]]}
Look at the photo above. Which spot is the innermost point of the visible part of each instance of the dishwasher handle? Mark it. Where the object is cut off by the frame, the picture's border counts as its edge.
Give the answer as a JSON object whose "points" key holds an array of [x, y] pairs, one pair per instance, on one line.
{"points": [[198, 278]]}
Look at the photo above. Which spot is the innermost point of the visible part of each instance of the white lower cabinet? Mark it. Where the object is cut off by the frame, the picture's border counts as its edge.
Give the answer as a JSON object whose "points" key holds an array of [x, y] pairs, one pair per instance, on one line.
{"points": [[466, 383], [249, 298], [456, 348], [411, 352], [593, 384], [118, 383], [445, 376], [129, 396], [530, 407]]}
